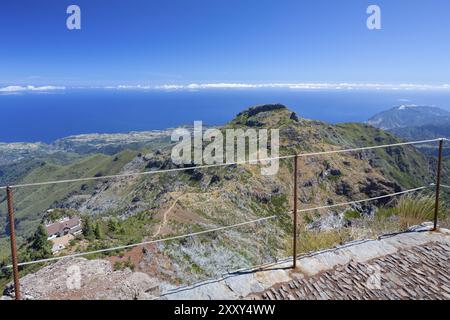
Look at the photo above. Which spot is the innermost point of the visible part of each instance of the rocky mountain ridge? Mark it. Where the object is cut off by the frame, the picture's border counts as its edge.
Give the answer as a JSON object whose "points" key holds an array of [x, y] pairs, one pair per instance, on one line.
{"points": [[413, 123], [410, 116], [160, 205]]}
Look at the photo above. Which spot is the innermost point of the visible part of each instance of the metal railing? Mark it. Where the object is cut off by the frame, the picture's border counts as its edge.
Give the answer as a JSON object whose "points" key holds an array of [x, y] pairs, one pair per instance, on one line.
{"points": [[10, 202]]}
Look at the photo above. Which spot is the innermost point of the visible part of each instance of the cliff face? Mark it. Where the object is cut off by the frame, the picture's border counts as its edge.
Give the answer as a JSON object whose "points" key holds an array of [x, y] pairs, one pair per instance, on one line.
{"points": [[160, 205]]}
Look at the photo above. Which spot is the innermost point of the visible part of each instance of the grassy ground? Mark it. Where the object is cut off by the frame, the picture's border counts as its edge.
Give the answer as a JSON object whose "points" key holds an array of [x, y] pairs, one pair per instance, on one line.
{"points": [[403, 165], [32, 202], [5, 251], [407, 212]]}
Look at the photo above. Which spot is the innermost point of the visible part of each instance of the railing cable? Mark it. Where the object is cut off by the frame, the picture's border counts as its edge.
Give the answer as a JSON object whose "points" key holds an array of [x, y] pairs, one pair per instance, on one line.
{"points": [[35, 184], [144, 242], [365, 200], [213, 230]]}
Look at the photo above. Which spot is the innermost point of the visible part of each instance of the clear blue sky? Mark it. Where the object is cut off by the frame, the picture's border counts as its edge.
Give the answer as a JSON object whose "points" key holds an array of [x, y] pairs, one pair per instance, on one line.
{"points": [[206, 41]]}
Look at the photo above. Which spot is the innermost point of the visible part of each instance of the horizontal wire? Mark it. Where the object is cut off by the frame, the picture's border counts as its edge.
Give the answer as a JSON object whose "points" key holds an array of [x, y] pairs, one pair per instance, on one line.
{"points": [[144, 243], [280, 262], [146, 172], [368, 148], [263, 266], [217, 165], [220, 165], [216, 229], [364, 200]]}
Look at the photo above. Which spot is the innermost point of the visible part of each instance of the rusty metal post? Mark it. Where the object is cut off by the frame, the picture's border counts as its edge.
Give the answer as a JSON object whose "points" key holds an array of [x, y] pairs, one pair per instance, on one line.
{"points": [[438, 185], [12, 235], [294, 253]]}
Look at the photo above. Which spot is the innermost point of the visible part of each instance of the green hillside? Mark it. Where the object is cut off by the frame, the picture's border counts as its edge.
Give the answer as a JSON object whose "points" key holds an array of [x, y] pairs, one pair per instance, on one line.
{"points": [[32, 202], [153, 206]]}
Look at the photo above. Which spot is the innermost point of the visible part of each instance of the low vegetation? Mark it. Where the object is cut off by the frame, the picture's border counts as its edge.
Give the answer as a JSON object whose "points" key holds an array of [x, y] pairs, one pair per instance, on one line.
{"points": [[412, 210], [119, 212], [408, 211], [311, 241], [121, 265]]}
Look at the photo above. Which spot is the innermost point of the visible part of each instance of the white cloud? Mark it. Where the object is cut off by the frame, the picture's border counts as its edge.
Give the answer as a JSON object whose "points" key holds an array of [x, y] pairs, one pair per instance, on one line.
{"points": [[292, 86], [16, 89], [240, 85], [130, 87], [169, 87]]}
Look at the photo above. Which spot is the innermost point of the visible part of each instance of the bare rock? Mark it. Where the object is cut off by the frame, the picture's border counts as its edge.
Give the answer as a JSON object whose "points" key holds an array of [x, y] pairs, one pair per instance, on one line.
{"points": [[80, 279]]}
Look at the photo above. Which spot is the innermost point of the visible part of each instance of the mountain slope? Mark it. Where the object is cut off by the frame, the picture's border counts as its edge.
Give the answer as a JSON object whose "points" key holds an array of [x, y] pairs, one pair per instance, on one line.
{"points": [[413, 123], [429, 131], [410, 116], [199, 199]]}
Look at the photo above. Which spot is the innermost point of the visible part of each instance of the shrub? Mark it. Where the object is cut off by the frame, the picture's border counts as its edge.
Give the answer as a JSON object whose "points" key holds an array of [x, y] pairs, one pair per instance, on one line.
{"points": [[310, 241], [307, 218], [88, 229], [413, 210], [121, 265], [113, 225], [385, 212], [42, 248], [118, 265], [195, 268], [98, 232], [351, 214], [129, 264]]}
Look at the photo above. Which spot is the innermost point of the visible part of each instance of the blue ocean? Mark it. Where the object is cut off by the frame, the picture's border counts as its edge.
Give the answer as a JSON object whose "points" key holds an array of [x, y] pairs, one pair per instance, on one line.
{"points": [[45, 117]]}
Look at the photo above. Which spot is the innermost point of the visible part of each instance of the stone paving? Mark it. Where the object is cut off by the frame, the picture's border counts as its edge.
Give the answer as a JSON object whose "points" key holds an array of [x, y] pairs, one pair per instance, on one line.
{"points": [[421, 272], [408, 265]]}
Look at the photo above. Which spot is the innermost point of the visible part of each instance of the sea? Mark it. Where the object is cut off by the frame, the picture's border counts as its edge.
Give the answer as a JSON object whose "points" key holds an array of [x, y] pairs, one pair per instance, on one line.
{"points": [[46, 117]]}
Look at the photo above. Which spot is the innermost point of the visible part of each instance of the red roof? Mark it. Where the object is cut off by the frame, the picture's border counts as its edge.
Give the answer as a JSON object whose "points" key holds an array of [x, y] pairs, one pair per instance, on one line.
{"points": [[59, 226]]}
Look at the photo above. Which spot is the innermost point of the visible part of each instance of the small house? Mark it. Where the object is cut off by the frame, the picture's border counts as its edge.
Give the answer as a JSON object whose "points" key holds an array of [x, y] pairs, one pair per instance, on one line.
{"points": [[63, 227]]}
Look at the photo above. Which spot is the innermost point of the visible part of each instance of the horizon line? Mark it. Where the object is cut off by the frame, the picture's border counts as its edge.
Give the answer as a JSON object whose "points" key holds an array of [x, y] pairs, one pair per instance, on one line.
{"points": [[338, 86]]}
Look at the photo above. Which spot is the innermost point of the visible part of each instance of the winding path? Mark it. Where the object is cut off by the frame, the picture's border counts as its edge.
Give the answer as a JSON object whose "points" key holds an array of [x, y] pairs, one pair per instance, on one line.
{"points": [[165, 217]]}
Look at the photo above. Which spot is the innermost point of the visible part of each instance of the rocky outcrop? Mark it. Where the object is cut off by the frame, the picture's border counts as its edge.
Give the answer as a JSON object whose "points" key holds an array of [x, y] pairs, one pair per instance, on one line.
{"points": [[344, 188], [262, 108], [376, 187], [80, 278]]}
